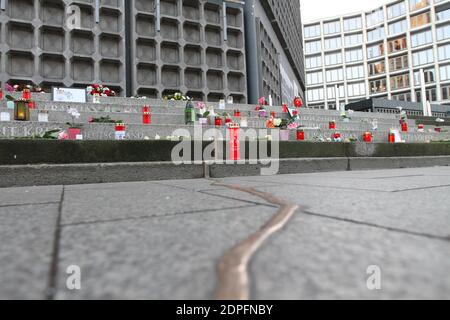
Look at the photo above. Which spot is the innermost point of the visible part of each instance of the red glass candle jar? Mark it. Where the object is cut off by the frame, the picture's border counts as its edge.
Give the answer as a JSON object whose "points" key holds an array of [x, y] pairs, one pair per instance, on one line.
{"points": [[32, 105], [332, 125], [228, 120], [146, 115], [298, 102], [218, 122], [26, 94], [404, 126], [73, 133], [300, 135], [367, 137], [285, 108], [237, 114], [391, 138], [336, 136], [273, 114]]}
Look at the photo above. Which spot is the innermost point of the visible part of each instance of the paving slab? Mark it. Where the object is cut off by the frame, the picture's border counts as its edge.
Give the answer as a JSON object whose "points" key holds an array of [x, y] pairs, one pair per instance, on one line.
{"points": [[30, 195], [158, 258], [26, 242]]}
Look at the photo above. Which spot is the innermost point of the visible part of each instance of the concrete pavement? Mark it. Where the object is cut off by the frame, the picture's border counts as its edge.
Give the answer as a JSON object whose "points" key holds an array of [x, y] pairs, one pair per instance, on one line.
{"points": [[163, 240]]}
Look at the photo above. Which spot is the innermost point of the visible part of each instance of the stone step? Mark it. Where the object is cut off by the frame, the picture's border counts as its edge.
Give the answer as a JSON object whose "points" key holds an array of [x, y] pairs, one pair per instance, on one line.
{"points": [[140, 132]]}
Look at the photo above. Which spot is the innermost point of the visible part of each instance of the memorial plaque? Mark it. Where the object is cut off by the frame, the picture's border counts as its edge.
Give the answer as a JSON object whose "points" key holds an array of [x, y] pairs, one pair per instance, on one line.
{"points": [[69, 95]]}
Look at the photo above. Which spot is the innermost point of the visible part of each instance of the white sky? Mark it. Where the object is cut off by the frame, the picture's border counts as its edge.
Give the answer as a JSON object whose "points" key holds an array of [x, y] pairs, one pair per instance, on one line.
{"points": [[319, 9]]}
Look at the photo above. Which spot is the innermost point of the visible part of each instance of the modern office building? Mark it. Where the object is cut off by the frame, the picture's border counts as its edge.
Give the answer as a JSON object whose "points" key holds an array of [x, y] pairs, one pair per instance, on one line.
{"points": [[399, 51], [156, 47]]}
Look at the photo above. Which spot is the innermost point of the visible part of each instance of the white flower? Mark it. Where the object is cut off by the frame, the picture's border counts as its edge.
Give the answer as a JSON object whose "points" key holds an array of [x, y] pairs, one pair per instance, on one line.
{"points": [[157, 137]]}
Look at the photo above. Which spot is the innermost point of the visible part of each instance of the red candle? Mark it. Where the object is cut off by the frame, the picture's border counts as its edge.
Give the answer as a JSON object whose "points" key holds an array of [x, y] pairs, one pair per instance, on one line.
{"points": [[237, 114], [332, 125], [285, 108], [146, 115], [367, 137], [294, 113], [218, 122], [391, 138], [300, 135], [32, 105], [404, 127], [26, 94], [228, 120], [235, 146], [1, 94], [421, 127], [337, 135], [298, 102], [438, 129]]}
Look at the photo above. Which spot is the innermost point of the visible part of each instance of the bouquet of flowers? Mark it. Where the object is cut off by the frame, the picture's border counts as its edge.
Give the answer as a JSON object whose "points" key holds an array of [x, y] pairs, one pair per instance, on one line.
{"points": [[178, 96], [100, 90]]}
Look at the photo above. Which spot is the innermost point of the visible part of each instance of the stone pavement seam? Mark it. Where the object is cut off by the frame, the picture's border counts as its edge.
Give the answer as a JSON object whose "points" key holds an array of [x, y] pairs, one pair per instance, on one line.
{"points": [[374, 225], [237, 199], [53, 270], [82, 223], [27, 204], [421, 188]]}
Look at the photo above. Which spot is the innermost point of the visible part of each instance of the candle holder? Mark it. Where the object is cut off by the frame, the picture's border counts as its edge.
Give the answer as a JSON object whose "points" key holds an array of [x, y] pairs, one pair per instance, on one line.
{"points": [[146, 115], [43, 116], [21, 110], [332, 125], [300, 135], [26, 94]]}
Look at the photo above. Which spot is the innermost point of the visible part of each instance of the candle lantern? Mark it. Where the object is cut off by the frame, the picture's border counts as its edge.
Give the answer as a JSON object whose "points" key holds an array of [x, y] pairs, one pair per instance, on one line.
{"points": [[120, 131], [332, 125], [367, 137], [404, 126], [228, 121], [337, 137], [26, 94], [235, 145], [237, 113], [300, 135], [146, 115], [21, 110]]}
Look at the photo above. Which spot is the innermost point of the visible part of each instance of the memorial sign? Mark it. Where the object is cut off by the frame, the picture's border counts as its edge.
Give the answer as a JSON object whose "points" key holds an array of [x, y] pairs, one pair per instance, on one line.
{"points": [[69, 95]]}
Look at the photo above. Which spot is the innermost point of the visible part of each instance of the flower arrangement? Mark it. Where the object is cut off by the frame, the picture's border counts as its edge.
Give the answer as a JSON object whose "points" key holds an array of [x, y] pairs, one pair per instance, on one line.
{"points": [[178, 96], [106, 119], [75, 115], [100, 90]]}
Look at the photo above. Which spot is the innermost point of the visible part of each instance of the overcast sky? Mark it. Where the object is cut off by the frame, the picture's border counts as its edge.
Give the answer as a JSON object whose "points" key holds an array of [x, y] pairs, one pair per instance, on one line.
{"points": [[318, 9]]}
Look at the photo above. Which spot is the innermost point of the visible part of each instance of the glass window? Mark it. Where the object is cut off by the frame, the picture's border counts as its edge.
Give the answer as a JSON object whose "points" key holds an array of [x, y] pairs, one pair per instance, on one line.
{"points": [[315, 94], [398, 63], [397, 45], [331, 92], [375, 34], [444, 52], [377, 86], [356, 89], [422, 38], [335, 75], [400, 81], [353, 55], [313, 47], [333, 58], [353, 39], [375, 51], [420, 20], [333, 43], [406, 96], [443, 32], [418, 4], [396, 10], [430, 95], [446, 92], [443, 15], [352, 24], [422, 57], [313, 62], [355, 72], [314, 78], [428, 74], [398, 27], [444, 71], [332, 27], [312, 31], [376, 68], [375, 17]]}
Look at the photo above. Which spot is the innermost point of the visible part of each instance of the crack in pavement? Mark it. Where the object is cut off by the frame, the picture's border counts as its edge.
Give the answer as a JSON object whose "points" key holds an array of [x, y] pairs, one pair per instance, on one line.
{"points": [[233, 266]]}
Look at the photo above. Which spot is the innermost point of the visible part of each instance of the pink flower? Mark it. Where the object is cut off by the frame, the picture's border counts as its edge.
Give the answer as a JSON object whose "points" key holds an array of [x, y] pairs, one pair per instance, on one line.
{"points": [[9, 88], [63, 136], [262, 101]]}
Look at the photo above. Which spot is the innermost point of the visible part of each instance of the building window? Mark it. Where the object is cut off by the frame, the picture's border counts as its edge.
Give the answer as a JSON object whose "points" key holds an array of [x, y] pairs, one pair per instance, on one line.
{"points": [[406, 96], [353, 55], [396, 10], [313, 62], [429, 76], [375, 51], [420, 20], [375, 17], [377, 86], [314, 78], [315, 94], [332, 27], [397, 45], [355, 72], [422, 57], [352, 24], [356, 89], [335, 75], [446, 92], [353, 39], [333, 43], [421, 38], [418, 4], [313, 47], [398, 63], [444, 52], [376, 68], [398, 27], [312, 31], [333, 58], [443, 15], [375, 34], [400, 81], [444, 71], [443, 32], [331, 92], [430, 95]]}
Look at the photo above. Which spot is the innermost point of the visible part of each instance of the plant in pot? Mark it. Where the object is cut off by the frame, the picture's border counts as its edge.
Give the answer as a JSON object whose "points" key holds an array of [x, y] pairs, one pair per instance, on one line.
{"points": [[74, 130], [284, 129], [262, 112], [203, 115]]}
